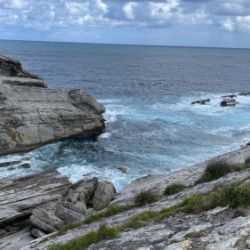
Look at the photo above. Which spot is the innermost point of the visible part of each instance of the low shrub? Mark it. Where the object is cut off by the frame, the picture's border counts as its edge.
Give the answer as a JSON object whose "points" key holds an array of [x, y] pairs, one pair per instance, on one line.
{"points": [[79, 243], [145, 197], [174, 189], [112, 210], [140, 219], [215, 170]]}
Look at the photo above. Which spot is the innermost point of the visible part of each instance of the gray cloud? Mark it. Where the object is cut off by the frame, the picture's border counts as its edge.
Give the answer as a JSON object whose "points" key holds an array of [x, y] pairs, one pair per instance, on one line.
{"points": [[227, 15]]}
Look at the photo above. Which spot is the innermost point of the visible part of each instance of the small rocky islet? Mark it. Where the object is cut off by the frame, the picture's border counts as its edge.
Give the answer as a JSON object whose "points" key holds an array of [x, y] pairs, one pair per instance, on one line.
{"points": [[205, 206]]}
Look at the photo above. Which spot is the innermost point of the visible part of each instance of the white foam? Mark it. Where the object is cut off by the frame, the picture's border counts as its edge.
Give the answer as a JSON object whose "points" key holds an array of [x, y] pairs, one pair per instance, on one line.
{"points": [[77, 172], [115, 110], [105, 135]]}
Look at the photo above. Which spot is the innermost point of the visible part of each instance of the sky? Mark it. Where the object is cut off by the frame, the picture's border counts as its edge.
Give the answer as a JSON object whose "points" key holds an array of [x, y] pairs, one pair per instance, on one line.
{"points": [[210, 23]]}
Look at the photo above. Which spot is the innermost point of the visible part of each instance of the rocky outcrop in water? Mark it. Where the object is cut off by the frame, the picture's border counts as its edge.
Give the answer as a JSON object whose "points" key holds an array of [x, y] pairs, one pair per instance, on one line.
{"points": [[226, 101], [33, 115], [202, 102]]}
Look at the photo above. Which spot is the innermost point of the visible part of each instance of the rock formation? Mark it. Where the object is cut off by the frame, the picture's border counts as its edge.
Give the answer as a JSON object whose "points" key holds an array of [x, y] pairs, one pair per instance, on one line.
{"points": [[228, 102], [78, 201], [211, 228], [33, 115], [42, 204]]}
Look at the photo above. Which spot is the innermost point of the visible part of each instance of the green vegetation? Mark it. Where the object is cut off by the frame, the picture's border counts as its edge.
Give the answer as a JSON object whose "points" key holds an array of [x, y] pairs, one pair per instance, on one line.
{"points": [[169, 211], [112, 210], [103, 233], [174, 189], [145, 197], [214, 170], [234, 196], [247, 162], [217, 169], [194, 235], [140, 219]]}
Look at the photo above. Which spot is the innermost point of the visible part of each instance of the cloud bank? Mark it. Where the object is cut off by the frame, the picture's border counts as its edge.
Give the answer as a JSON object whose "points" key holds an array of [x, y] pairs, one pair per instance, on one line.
{"points": [[78, 19]]}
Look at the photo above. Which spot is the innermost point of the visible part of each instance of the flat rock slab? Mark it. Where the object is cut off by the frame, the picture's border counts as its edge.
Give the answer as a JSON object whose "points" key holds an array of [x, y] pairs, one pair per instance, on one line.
{"points": [[19, 197]]}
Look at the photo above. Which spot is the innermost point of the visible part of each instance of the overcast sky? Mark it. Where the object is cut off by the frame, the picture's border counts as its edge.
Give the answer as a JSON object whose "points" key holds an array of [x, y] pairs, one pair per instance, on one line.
{"points": [[223, 23]]}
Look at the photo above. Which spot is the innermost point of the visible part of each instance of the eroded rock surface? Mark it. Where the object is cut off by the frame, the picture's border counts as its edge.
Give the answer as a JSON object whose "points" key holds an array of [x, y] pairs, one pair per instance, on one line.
{"points": [[219, 228], [33, 115], [77, 202]]}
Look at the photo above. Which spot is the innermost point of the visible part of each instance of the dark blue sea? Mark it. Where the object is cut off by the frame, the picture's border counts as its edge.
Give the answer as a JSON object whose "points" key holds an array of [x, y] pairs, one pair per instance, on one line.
{"points": [[151, 126]]}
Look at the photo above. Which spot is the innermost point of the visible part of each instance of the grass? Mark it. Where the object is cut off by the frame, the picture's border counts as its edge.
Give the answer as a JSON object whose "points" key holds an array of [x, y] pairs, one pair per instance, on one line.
{"points": [[103, 233], [112, 210], [234, 196], [174, 188], [145, 197], [140, 219], [216, 170], [194, 235]]}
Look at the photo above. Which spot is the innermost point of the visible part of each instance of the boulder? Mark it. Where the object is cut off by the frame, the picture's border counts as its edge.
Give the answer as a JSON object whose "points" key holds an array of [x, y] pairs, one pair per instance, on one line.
{"points": [[36, 233], [202, 102], [81, 193], [104, 194], [45, 220], [33, 115], [67, 213]]}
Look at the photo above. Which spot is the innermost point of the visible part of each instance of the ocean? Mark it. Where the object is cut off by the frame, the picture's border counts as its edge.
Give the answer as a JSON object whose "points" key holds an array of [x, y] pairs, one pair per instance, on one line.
{"points": [[152, 128]]}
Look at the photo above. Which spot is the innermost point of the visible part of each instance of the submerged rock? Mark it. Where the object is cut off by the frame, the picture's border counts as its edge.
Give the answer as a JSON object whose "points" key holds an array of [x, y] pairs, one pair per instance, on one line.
{"points": [[33, 115], [244, 93], [124, 170], [202, 102]]}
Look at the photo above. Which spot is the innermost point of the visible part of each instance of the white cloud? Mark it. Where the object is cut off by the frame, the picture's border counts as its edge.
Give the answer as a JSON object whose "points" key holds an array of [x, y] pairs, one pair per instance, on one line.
{"points": [[229, 15], [243, 23], [14, 4], [163, 10], [129, 10], [76, 8], [102, 6], [228, 24]]}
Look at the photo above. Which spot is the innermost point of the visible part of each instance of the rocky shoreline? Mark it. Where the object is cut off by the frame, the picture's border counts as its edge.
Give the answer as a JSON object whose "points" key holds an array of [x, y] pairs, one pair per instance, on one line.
{"points": [[191, 208], [30, 206]]}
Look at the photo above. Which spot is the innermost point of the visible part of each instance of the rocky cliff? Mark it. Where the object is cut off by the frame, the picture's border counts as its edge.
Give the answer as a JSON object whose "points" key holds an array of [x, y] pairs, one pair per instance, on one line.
{"points": [[33, 114]]}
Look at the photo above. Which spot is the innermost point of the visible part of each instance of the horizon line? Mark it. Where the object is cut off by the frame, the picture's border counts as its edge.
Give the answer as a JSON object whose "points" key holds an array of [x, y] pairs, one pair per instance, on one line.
{"points": [[124, 44]]}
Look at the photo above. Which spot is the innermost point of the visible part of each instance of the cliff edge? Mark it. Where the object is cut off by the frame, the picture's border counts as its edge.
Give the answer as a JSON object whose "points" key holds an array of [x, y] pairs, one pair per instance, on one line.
{"points": [[33, 115]]}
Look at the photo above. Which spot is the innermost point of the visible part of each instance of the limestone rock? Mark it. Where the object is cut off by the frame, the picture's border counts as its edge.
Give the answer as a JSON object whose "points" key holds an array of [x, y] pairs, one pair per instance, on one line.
{"points": [[36, 233], [10, 67], [104, 194], [45, 221], [81, 193], [67, 214], [33, 115]]}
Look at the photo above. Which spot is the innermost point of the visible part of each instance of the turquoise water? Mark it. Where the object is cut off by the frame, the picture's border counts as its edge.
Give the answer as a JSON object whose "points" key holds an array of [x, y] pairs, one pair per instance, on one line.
{"points": [[147, 91]]}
